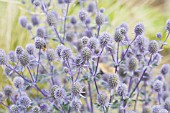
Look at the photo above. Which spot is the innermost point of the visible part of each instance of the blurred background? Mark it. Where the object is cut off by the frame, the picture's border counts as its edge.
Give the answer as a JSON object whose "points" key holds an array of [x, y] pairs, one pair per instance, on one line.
{"points": [[152, 13]]}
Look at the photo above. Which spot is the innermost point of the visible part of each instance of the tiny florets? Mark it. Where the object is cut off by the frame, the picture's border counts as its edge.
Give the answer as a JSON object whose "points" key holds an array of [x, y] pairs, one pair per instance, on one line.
{"points": [[8, 90], [118, 36], [158, 85], [105, 38], [66, 54], [121, 89], [139, 29], [18, 82], [30, 49], [153, 47], [100, 19], [40, 43], [86, 53], [82, 15], [133, 63], [24, 58], [51, 19], [50, 54], [25, 101], [113, 81]]}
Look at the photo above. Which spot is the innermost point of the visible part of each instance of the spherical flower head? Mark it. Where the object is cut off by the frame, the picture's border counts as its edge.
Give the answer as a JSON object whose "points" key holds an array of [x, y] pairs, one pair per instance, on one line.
{"points": [[40, 43], [118, 36], [73, 20], [100, 19], [36, 109], [66, 53], [23, 21], [102, 10], [153, 47], [76, 89], [157, 85], [122, 70], [25, 101], [165, 69], [125, 26], [121, 89], [82, 15], [8, 90], [76, 105], [35, 20], [40, 32], [30, 49], [84, 40], [86, 53], [113, 81], [59, 93], [29, 26], [146, 109], [14, 109], [140, 40], [102, 99], [92, 44], [18, 82], [163, 111], [3, 57], [51, 19], [37, 3], [167, 104], [133, 63], [139, 29], [44, 107], [59, 49], [50, 54], [156, 108], [12, 56], [52, 90], [24, 58], [88, 21], [70, 36], [105, 38], [19, 50], [159, 35], [91, 7], [168, 25]]}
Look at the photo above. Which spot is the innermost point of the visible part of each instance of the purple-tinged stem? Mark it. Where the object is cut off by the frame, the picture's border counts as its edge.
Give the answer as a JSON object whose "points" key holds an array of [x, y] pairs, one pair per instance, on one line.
{"points": [[165, 40], [38, 64], [30, 74], [136, 99], [130, 84], [98, 32], [117, 60], [159, 98], [91, 98], [51, 69], [56, 32]]}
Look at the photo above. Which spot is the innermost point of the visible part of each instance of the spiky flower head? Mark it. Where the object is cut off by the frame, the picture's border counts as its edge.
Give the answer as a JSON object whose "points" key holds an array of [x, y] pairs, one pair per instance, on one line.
{"points": [[76, 105], [140, 40], [30, 49], [51, 19], [3, 57], [23, 21], [168, 25], [8, 90], [118, 36], [14, 108], [86, 53], [139, 29], [36, 109], [121, 89], [159, 35], [35, 20], [76, 89], [158, 85], [163, 111], [122, 70], [156, 108], [92, 44], [105, 38], [18, 82], [44, 107], [40, 32], [59, 49], [52, 90], [165, 69], [133, 63], [82, 15], [113, 81], [24, 58], [37, 3], [153, 46], [66, 53], [25, 101], [102, 99], [59, 93], [19, 50], [125, 26], [84, 40], [40, 43], [100, 19], [167, 104], [50, 54], [29, 26], [70, 36], [12, 56], [73, 20]]}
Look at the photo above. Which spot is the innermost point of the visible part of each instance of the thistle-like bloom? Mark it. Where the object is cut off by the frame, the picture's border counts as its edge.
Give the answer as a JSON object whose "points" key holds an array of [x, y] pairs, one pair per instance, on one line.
{"points": [[76, 105], [8, 90], [121, 89], [40, 32], [25, 101], [86, 53], [153, 46], [24, 58], [92, 44], [50, 53], [105, 38], [14, 109], [139, 29], [18, 82], [19, 50], [35, 20], [100, 19], [40, 43], [91, 7], [82, 15], [133, 63], [59, 93], [102, 99], [51, 19], [118, 36], [73, 20], [76, 89], [36, 109], [30, 49], [165, 69], [156, 108], [125, 26], [84, 40], [113, 81], [12, 56], [23, 21], [158, 85], [66, 53], [167, 104], [59, 49], [3, 58]]}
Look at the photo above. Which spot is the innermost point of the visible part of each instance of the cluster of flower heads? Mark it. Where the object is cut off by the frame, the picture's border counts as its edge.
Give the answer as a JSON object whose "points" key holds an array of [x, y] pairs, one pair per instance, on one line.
{"points": [[68, 78]]}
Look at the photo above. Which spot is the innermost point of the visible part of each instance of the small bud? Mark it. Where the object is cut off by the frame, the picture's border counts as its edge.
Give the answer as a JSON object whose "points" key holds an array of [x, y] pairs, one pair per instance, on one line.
{"points": [[168, 25], [100, 19], [23, 21], [159, 35], [91, 7], [165, 69], [82, 15], [40, 32], [35, 20], [153, 47], [12, 56], [73, 20]]}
